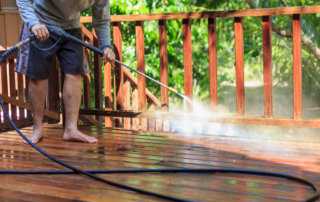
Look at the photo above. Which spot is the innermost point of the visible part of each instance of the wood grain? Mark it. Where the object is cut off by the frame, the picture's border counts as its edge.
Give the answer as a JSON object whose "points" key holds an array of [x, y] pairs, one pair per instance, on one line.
{"points": [[267, 66], [4, 84], [297, 68], [107, 92], [13, 92], [53, 90], [238, 29]]}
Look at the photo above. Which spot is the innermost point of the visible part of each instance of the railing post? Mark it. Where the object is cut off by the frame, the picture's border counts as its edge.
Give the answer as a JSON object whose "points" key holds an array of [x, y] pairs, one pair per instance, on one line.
{"points": [[238, 29], [97, 78], [107, 92], [12, 80], [163, 53], [142, 105], [213, 65], [187, 57], [267, 67], [297, 71], [119, 89]]}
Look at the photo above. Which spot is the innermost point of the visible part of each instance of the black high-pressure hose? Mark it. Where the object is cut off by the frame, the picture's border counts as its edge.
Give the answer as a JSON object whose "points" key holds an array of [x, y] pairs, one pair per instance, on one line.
{"points": [[60, 33]]}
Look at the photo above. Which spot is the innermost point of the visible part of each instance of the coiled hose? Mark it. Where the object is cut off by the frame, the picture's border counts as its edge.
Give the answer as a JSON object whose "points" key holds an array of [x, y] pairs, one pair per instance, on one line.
{"points": [[74, 170]]}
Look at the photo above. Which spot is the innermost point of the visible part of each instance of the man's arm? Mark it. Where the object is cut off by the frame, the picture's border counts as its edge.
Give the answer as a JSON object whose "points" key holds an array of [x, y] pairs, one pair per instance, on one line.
{"points": [[101, 23], [29, 17], [27, 12]]}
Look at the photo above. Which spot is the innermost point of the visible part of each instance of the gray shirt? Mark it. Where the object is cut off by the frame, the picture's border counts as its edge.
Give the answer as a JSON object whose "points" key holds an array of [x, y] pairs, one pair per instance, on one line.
{"points": [[66, 15]]}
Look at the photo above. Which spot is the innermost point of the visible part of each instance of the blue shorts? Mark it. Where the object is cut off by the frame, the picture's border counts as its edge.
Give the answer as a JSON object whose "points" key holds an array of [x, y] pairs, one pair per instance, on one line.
{"points": [[36, 63]]}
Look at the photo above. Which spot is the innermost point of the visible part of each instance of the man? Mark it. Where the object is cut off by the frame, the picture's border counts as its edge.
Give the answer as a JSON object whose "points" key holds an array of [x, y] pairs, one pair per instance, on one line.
{"points": [[36, 64]]}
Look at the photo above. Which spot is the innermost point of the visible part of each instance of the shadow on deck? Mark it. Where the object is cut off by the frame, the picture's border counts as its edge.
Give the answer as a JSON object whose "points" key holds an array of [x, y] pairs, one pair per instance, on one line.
{"points": [[127, 149]]}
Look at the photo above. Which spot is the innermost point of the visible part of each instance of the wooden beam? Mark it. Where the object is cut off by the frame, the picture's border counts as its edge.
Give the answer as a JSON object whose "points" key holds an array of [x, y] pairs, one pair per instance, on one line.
{"points": [[126, 100], [187, 58], [267, 67], [212, 14], [135, 122], [107, 92], [4, 84], [21, 94], [25, 105], [238, 29], [248, 120], [213, 69], [20, 123], [142, 104], [53, 97], [297, 68], [89, 120]]}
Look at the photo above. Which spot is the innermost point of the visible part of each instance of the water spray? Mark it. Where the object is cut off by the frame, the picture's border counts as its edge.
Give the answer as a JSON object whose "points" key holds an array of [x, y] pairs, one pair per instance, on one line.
{"points": [[62, 34]]}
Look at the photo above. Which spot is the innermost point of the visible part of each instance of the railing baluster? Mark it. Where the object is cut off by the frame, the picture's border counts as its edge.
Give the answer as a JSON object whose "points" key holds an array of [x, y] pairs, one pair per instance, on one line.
{"points": [[238, 29], [127, 121], [97, 78], [163, 53], [135, 121], [12, 80], [4, 85], [21, 94], [267, 67], [107, 92], [187, 57], [297, 71], [213, 65], [152, 122], [119, 89], [142, 105]]}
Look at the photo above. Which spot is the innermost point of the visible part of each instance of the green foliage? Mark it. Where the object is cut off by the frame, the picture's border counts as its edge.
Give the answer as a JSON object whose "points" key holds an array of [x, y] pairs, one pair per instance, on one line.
{"points": [[281, 55]]}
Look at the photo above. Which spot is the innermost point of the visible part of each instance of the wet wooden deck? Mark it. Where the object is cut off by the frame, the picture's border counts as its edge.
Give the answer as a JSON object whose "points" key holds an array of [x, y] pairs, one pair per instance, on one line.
{"points": [[125, 149]]}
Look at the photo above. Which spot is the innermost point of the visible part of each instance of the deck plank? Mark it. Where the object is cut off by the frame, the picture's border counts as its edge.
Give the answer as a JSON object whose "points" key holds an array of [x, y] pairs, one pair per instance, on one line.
{"points": [[130, 149]]}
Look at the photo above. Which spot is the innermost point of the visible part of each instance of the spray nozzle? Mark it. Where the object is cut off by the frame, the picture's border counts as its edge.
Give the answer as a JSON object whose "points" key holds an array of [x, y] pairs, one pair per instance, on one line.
{"points": [[172, 90]]}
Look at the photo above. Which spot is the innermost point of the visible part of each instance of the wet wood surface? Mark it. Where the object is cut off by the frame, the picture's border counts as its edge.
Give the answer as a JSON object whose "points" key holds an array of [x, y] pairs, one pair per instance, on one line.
{"points": [[129, 149]]}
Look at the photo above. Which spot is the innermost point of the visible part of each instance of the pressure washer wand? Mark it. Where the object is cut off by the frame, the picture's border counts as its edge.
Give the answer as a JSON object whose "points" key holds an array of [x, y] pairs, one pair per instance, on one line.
{"points": [[62, 34]]}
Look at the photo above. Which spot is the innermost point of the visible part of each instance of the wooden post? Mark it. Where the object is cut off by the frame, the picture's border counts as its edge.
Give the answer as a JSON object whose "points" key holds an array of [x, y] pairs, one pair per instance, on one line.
{"points": [[127, 121], [53, 90], [27, 95], [20, 94], [213, 65], [297, 71], [117, 41], [97, 78], [187, 57], [87, 81], [142, 104], [238, 29], [163, 53], [0, 5], [13, 93], [4, 85], [135, 121], [267, 67], [107, 92]]}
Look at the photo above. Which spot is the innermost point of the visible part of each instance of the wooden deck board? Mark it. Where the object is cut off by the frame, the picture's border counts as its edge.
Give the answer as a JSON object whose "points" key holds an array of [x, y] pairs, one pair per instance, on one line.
{"points": [[128, 149]]}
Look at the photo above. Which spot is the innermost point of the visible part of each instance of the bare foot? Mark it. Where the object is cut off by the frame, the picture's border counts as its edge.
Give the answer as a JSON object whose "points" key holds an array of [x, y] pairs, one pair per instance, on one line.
{"points": [[75, 135], [36, 135]]}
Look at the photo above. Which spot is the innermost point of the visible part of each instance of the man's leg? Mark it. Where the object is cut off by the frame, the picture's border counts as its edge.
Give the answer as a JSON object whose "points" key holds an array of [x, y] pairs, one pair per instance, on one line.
{"points": [[37, 95], [71, 99]]}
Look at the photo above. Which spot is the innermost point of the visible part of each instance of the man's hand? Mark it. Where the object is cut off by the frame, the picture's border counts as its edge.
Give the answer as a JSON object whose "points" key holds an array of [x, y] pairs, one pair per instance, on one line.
{"points": [[40, 31], [108, 55]]}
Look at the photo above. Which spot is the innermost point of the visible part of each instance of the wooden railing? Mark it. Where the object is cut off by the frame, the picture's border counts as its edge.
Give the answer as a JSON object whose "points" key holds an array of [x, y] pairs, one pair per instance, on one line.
{"points": [[124, 80], [14, 95]]}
